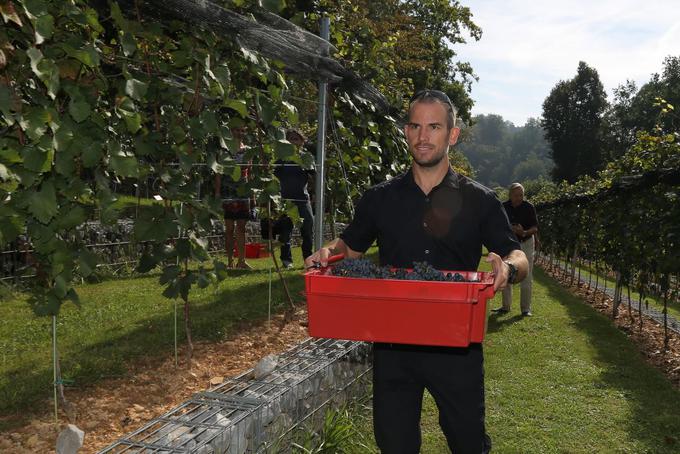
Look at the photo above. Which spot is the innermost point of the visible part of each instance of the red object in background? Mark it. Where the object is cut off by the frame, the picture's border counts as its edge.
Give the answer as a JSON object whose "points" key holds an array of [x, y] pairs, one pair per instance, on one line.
{"points": [[398, 311], [254, 251]]}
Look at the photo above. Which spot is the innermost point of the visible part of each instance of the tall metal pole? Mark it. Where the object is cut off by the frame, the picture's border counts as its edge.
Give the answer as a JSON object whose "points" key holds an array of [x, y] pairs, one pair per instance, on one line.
{"points": [[321, 149]]}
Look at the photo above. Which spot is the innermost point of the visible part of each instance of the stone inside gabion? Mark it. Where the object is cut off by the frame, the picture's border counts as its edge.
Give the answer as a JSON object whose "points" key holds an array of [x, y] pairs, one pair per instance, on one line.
{"points": [[253, 413]]}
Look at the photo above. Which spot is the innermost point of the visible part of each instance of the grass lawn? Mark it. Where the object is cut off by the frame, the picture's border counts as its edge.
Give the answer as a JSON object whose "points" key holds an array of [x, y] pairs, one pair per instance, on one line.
{"points": [[120, 320], [564, 381], [656, 303]]}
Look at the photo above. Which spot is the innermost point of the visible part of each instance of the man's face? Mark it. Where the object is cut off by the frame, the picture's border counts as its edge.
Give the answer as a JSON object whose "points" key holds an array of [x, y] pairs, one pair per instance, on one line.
{"points": [[516, 196], [427, 135], [238, 133]]}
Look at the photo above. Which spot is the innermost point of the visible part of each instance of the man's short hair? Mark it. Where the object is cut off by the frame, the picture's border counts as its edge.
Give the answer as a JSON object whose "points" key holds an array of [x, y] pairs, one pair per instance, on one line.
{"points": [[515, 186], [292, 132], [429, 96]]}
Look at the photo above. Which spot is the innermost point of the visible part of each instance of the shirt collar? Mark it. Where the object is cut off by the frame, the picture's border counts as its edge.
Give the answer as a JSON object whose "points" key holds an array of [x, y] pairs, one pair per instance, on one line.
{"points": [[451, 179]]}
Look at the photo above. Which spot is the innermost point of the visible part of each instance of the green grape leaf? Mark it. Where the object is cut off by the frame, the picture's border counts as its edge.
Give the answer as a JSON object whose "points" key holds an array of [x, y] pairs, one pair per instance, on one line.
{"points": [[90, 151], [72, 295], [136, 89], [37, 159], [239, 105], [44, 27], [169, 274], [43, 203], [144, 146], [291, 113], [129, 43], [147, 262], [79, 110], [172, 290], [72, 218], [185, 285], [209, 121], [133, 121], [268, 110], [284, 149], [183, 248], [223, 76], [124, 165], [87, 262], [34, 123], [12, 225]]}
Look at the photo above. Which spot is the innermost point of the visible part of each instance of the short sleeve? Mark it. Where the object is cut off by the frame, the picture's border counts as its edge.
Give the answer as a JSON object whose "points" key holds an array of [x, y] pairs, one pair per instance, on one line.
{"points": [[497, 235], [362, 231]]}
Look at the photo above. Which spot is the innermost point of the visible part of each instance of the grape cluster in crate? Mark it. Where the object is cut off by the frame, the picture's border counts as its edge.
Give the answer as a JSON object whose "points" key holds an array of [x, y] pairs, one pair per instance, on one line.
{"points": [[422, 271]]}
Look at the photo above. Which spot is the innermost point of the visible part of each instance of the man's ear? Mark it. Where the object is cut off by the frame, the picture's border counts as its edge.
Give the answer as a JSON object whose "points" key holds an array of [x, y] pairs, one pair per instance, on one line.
{"points": [[453, 136]]}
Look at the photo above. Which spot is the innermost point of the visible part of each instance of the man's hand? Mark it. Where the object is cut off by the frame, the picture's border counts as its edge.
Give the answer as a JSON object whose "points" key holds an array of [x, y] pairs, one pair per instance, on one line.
{"points": [[335, 247], [319, 257], [518, 230], [500, 271]]}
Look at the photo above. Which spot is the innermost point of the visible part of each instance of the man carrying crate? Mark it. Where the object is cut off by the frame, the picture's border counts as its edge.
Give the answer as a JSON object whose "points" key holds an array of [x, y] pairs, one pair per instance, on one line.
{"points": [[434, 215]]}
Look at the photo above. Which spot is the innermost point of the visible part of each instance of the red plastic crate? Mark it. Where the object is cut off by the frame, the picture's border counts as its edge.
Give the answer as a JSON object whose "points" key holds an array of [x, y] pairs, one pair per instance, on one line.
{"points": [[254, 251], [398, 311]]}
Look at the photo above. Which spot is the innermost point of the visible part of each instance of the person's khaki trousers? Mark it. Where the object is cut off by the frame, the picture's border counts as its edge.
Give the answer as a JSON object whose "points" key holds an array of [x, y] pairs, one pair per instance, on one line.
{"points": [[525, 285]]}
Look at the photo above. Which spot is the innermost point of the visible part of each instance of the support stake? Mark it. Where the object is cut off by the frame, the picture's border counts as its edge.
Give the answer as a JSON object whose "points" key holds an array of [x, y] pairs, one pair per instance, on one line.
{"points": [[54, 368]]}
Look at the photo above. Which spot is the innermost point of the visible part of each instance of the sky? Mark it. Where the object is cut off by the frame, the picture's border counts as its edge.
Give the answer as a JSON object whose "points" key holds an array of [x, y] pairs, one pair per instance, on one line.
{"points": [[527, 46]]}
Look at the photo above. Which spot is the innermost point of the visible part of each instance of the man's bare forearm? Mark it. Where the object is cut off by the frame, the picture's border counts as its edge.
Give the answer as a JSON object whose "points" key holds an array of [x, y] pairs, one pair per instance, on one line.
{"points": [[338, 246], [519, 260], [335, 247]]}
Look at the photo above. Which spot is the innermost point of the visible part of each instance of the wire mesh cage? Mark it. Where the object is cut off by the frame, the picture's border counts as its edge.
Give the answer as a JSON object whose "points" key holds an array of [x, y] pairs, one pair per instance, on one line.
{"points": [[251, 413]]}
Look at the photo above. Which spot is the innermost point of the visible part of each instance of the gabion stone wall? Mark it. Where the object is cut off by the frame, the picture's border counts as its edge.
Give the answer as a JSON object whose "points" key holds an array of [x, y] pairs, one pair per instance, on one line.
{"points": [[246, 414]]}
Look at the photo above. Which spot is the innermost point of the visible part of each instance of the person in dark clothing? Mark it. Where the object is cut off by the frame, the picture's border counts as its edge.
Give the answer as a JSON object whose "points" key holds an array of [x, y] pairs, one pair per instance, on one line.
{"points": [[293, 180], [522, 216], [430, 214]]}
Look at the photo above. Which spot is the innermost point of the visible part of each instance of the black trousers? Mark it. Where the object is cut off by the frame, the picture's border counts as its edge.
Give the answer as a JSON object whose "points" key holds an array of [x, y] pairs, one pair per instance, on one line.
{"points": [[285, 229], [454, 377]]}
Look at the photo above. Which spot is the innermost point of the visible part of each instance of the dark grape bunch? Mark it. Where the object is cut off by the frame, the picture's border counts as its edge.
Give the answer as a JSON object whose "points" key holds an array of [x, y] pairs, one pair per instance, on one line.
{"points": [[422, 271]]}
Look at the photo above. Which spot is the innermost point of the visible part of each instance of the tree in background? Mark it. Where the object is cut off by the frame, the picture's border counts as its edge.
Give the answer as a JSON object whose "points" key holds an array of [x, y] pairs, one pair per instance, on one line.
{"points": [[636, 110], [500, 152], [400, 46], [572, 119]]}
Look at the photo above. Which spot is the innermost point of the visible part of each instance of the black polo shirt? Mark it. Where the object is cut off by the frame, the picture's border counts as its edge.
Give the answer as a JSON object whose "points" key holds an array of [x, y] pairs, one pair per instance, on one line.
{"points": [[445, 228], [293, 179], [523, 214]]}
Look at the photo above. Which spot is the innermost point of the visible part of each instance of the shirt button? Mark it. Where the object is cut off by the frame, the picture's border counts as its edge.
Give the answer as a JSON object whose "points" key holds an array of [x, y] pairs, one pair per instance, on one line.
{"points": [[424, 224], [427, 199], [427, 251]]}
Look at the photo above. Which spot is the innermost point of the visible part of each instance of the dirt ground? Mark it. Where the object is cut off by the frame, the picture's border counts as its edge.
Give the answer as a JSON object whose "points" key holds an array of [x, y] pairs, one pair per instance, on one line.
{"points": [[114, 407]]}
